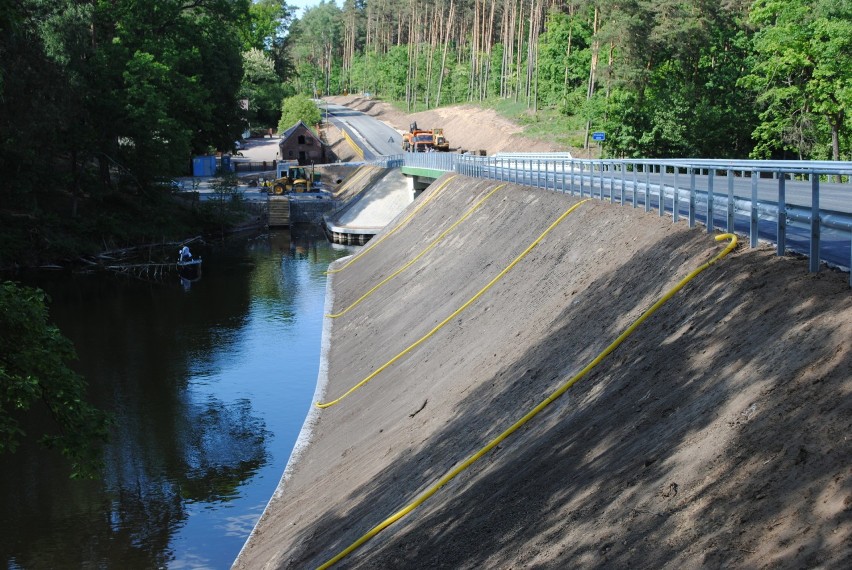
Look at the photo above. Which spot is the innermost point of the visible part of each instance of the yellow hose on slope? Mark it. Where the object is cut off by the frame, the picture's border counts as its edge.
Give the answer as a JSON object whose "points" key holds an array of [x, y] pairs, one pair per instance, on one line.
{"points": [[418, 256], [458, 311], [532, 413], [375, 242]]}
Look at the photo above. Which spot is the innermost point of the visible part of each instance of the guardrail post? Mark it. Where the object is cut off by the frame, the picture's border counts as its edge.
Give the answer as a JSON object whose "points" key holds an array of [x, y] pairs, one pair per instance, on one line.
{"points": [[547, 176], [753, 224], [611, 171], [730, 227], [591, 178], [691, 211], [635, 184], [621, 167], [781, 232], [571, 166], [601, 178], [662, 203], [582, 166], [711, 174], [647, 188], [815, 222], [675, 197]]}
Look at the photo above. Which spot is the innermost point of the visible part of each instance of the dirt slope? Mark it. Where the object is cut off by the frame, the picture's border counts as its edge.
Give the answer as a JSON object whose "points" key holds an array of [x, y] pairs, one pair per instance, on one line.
{"points": [[467, 127], [717, 435]]}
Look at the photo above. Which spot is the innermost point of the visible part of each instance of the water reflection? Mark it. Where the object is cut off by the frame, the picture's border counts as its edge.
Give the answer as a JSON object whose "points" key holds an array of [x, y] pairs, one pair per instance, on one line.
{"points": [[209, 387]]}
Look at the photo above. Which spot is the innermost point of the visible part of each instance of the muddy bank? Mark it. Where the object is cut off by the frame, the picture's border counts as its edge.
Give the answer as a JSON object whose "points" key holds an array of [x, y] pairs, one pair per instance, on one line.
{"points": [[718, 434]]}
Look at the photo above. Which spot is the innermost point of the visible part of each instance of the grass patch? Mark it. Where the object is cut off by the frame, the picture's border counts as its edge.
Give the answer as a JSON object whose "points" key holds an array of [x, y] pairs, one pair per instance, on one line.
{"points": [[547, 124]]}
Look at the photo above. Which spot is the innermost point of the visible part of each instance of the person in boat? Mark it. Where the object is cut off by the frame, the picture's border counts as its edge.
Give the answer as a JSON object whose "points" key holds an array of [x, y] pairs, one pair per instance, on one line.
{"points": [[184, 255]]}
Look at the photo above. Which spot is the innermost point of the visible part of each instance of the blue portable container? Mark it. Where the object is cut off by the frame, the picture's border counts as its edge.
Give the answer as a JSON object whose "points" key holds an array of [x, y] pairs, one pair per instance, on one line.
{"points": [[204, 166]]}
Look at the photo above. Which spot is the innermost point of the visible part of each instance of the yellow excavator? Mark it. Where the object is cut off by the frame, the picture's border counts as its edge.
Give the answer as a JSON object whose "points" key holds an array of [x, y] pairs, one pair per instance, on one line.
{"points": [[290, 177]]}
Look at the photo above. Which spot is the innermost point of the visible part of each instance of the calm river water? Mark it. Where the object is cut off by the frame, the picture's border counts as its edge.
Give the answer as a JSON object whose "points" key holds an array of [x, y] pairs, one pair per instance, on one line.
{"points": [[209, 385]]}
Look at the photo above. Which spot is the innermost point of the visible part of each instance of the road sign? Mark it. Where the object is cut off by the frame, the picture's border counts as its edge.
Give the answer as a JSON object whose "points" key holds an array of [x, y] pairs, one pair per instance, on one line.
{"points": [[599, 136]]}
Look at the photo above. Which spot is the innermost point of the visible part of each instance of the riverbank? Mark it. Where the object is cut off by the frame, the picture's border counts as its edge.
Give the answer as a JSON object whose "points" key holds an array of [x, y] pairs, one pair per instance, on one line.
{"points": [[713, 435]]}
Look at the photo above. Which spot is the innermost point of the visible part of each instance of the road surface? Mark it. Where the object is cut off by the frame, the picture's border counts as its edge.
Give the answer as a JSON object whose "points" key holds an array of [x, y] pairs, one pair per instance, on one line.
{"points": [[373, 136]]}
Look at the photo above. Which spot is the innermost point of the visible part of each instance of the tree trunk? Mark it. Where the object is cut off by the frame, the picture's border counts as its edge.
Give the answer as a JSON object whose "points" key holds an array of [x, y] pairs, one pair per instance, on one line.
{"points": [[590, 91], [447, 34], [520, 21], [836, 122]]}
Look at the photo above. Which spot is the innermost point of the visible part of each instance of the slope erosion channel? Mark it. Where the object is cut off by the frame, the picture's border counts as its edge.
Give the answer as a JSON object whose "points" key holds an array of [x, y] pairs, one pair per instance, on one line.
{"points": [[716, 434]]}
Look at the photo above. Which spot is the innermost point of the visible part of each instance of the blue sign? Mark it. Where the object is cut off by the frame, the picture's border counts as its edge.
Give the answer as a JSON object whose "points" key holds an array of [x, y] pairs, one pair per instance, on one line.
{"points": [[599, 136]]}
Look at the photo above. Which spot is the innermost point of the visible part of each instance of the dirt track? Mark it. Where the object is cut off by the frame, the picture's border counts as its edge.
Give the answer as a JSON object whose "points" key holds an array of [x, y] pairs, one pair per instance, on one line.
{"points": [[717, 435]]}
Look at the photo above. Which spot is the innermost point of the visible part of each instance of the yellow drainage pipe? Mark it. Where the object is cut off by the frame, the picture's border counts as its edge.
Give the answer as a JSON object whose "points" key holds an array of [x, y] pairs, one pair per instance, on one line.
{"points": [[532, 413], [458, 311], [418, 256], [375, 242]]}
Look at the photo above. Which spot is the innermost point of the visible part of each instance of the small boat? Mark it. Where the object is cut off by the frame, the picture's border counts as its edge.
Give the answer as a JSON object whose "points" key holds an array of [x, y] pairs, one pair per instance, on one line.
{"points": [[189, 269]]}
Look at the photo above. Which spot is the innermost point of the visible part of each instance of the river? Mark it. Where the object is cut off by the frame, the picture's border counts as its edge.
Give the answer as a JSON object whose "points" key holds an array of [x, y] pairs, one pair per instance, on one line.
{"points": [[209, 383]]}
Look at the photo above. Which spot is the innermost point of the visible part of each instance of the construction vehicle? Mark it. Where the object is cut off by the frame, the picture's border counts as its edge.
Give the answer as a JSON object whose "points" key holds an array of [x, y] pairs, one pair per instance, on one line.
{"points": [[424, 140], [291, 177]]}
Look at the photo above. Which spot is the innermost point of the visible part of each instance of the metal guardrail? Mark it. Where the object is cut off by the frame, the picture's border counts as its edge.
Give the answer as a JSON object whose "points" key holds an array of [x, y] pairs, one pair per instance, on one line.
{"points": [[535, 155], [743, 196], [432, 160]]}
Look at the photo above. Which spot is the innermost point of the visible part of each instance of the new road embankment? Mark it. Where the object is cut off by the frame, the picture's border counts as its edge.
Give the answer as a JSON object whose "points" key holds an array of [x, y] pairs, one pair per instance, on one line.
{"points": [[716, 434]]}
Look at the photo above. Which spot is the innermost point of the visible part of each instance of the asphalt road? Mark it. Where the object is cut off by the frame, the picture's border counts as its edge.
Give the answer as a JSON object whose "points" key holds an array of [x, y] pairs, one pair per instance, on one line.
{"points": [[373, 136]]}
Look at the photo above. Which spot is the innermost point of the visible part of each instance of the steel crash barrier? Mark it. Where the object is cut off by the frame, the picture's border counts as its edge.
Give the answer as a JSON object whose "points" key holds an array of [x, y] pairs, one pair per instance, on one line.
{"points": [[800, 206]]}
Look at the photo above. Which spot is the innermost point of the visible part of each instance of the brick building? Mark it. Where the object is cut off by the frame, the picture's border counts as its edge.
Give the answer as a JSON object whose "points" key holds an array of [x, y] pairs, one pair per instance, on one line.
{"points": [[300, 143]]}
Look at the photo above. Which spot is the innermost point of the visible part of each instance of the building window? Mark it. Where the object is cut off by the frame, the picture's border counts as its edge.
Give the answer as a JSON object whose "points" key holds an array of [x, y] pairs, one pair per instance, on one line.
{"points": [[301, 139]]}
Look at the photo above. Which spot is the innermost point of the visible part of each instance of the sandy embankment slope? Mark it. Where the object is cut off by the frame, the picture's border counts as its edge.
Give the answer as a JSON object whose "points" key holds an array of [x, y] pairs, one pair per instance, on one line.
{"points": [[717, 435]]}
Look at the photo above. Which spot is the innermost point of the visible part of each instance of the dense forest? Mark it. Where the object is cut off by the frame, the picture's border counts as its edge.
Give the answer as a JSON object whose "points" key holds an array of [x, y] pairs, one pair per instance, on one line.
{"points": [[136, 88], [102, 101], [709, 78]]}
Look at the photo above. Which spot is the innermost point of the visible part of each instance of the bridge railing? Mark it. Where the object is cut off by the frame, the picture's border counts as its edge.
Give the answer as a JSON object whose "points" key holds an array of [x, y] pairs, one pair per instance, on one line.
{"points": [[800, 206], [433, 160]]}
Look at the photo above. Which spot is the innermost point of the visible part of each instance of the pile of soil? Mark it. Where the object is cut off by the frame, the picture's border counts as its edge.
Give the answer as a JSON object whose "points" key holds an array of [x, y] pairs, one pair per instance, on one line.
{"points": [[717, 435]]}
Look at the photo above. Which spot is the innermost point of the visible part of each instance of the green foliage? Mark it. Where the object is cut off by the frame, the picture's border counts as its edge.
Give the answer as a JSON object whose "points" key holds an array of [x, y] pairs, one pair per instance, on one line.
{"points": [[265, 24], [298, 108], [110, 89], [34, 372], [317, 37], [802, 76], [262, 88]]}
